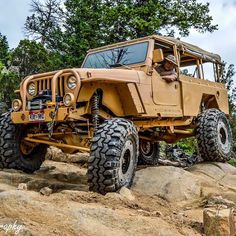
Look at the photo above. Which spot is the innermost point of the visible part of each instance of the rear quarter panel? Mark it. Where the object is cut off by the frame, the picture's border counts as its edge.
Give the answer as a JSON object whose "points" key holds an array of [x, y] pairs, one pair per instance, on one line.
{"points": [[193, 90]]}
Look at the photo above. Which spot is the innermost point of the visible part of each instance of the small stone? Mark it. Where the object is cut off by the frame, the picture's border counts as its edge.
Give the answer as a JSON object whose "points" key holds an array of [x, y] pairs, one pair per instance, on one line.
{"points": [[180, 216], [219, 200], [125, 192], [187, 208], [157, 213], [46, 191], [114, 196], [132, 214], [140, 210], [144, 213], [45, 169], [22, 186]]}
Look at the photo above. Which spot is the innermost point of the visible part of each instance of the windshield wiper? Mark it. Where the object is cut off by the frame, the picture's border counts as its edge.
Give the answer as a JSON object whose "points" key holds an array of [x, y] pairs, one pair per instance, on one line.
{"points": [[119, 65]]}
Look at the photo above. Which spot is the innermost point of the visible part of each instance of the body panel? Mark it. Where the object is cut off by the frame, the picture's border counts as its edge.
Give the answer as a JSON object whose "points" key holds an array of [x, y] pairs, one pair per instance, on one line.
{"points": [[193, 90]]}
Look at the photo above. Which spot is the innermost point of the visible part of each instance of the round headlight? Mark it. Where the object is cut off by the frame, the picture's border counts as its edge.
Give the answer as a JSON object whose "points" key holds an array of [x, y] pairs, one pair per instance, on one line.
{"points": [[68, 99], [72, 82], [32, 89], [16, 105]]}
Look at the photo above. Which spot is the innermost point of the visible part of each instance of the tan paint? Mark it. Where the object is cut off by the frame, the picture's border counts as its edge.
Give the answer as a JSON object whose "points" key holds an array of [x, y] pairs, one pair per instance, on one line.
{"points": [[162, 123], [22, 117], [59, 145], [193, 91]]}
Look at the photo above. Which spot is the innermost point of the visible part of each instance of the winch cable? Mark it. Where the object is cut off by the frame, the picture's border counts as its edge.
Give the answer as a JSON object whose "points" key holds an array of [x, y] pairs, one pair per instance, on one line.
{"points": [[52, 123]]}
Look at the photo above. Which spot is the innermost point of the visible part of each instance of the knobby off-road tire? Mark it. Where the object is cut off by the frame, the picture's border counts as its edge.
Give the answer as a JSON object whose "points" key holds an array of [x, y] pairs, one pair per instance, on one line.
{"points": [[148, 152], [11, 156], [113, 157], [214, 136]]}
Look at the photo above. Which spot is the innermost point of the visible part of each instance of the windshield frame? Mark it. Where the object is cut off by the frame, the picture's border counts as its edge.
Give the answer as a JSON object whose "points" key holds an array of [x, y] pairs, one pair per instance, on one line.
{"points": [[120, 45]]}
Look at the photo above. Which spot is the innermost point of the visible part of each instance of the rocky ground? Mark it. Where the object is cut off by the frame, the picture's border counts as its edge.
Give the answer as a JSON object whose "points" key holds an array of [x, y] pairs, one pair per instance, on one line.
{"points": [[164, 200]]}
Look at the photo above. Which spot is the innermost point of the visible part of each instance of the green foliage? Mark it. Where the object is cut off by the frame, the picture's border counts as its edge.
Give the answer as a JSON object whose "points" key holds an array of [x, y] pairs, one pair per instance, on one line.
{"points": [[228, 79], [232, 162], [233, 124], [4, 50], [88, 24], [45, 20], [31, 57], [138, 18], [83, 29], [28, 58], [9, 82], [189, 145]]}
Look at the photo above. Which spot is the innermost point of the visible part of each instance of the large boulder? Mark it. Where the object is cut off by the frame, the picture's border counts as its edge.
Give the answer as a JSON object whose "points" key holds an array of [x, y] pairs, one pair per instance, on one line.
{"points": [[215, 170], [216, 178], [171, 183], [179, 185], [76, 213]]}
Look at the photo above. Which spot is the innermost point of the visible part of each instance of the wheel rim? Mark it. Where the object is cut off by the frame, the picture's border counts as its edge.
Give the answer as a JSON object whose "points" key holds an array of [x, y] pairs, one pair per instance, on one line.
{"points": [[146, 148], [223, 136], [126, 163]]}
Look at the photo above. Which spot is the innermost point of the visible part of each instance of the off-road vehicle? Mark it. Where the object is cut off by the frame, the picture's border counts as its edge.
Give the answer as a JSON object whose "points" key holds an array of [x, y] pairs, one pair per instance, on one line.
{"points": [[117, 107]]}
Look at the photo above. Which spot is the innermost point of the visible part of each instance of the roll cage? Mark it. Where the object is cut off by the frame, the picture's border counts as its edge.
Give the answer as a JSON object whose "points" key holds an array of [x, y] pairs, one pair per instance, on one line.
{"points": [[187, 55]]}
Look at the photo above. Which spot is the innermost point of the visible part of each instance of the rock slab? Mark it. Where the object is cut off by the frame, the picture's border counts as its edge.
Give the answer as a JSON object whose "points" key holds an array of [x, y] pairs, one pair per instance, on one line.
{"points": [[170, 183]]}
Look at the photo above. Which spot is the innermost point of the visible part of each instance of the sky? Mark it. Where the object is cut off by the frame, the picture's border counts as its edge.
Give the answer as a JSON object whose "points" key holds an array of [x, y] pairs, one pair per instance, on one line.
{"points": [[222, 41], [13, 14]]}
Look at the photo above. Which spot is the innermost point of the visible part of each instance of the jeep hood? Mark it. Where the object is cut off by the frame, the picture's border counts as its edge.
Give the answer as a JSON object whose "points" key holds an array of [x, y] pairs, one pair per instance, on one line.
{"points": [[110, 75]]}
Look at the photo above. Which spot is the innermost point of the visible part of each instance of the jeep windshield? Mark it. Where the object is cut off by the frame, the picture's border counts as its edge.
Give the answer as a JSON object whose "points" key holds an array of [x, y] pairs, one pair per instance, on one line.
{"points": [[119, 56]]}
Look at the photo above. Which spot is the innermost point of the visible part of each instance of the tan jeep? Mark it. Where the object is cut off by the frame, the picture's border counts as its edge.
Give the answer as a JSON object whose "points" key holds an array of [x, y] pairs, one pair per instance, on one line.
{"points": [[117, 107]]}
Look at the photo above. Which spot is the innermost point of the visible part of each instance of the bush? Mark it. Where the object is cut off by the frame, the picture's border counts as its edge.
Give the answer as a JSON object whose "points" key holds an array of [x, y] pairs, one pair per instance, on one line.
{"points": [[232, 162], [188, 145]]}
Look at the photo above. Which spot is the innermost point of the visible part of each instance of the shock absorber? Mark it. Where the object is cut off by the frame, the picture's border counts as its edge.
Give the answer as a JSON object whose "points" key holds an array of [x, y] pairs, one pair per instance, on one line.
{"points": [[95, 109]]}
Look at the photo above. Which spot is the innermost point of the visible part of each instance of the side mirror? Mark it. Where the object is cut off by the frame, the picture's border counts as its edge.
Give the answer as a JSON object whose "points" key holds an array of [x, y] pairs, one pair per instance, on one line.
{"points": [[158, 56]]}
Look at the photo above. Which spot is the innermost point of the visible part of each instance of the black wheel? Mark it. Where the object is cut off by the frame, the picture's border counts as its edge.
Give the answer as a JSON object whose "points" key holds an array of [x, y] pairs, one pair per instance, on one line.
{"points": [[113, 157], [214, 136], [16, 153], [148, 152]]}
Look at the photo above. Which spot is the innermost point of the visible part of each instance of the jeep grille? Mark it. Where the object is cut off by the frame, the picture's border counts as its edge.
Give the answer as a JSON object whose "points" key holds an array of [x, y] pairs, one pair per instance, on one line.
{"points": [[45, 84]]}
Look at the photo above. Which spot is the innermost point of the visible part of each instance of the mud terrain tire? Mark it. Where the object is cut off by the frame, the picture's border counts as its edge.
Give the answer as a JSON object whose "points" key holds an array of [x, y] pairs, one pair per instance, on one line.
{"points": [[113, 157], [214, 136], [148, 152], [10, 154]]}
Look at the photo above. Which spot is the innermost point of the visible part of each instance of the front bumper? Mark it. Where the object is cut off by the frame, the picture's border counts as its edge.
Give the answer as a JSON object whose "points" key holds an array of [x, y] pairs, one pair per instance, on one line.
{"points": [[22, 117]]}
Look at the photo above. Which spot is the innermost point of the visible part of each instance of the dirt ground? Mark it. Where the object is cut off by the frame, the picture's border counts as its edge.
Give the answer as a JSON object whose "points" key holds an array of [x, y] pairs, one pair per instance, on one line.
{"points": [[165, 201]]}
